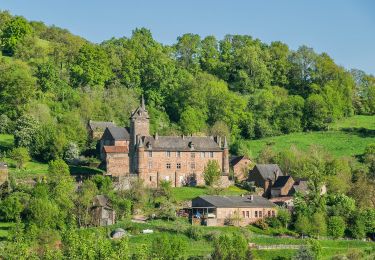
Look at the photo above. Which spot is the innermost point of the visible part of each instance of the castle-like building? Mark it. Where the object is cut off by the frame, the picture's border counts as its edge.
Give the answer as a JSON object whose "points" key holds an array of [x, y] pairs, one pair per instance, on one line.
{"points": [[178, 159]]}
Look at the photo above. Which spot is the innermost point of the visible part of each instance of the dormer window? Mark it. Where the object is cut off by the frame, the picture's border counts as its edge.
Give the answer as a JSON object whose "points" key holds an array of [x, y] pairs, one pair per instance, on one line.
{"points": [[191, 145]]}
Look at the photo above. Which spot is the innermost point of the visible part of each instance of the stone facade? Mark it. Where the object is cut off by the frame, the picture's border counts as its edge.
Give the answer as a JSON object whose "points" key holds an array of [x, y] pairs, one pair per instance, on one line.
{"points": [[241, 166], [178, 159], [231, 210]]}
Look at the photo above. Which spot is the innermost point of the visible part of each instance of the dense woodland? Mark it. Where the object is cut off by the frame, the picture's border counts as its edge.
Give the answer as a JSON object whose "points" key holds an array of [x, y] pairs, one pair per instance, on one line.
{"points": [[53, 82]]}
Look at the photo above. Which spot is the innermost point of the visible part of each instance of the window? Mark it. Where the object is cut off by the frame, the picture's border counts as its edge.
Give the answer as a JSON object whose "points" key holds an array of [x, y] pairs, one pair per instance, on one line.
{"points": [[168, 153], [243, 214], [212, 154], [273, 213], [168, 165], [150, 178], [269, 213], [247, 214], [178, 154], [203, 154], [192, 155], [192, 165], [256, 214], [260, 214], [149, 153], [150, 165], [178, 165]]}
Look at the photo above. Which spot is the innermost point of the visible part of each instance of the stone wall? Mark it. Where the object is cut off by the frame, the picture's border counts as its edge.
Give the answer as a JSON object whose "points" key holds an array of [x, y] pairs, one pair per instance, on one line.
{"points": [[117, 164], [178, 168], [243, 216]]}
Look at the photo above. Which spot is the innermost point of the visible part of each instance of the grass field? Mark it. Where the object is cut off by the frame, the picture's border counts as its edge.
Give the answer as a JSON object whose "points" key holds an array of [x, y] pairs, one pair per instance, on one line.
{"points": [[350, 138]]}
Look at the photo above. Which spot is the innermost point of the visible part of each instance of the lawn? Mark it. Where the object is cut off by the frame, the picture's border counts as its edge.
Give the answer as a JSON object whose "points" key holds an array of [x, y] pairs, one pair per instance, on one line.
{"points": [[348, 137], [188, 193]]}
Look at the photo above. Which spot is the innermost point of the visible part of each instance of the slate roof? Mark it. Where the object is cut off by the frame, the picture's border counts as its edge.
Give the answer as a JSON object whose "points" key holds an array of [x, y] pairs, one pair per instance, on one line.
{"points": [[237, 159], [179, 143], [141, 111], [116, 133], [100, 125], [281, 181], [232, 202], [116, 149], [268, 170]]}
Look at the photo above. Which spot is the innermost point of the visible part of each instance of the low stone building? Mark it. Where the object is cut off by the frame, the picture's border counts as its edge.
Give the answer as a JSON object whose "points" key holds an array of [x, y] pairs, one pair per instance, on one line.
{"points": [[102, 213], [240, 166], [231, 210], [264, 176], [4, 174], [96, 128]]}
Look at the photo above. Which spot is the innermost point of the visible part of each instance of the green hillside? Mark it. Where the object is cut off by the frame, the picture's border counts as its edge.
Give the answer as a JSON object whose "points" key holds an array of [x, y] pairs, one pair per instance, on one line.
{"points": [[347, 137]]}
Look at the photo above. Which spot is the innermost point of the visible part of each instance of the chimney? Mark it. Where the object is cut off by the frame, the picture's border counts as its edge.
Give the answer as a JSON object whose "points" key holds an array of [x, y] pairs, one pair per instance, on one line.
{"points": [[156, 137], [251, 198], [183, 137], [276, 173]]}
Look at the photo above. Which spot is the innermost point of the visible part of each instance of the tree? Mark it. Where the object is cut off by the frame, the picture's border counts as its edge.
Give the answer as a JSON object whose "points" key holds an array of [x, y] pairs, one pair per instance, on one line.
{"points": [[302, 225], [336, 226], [193, 120], [14, 31], [58, 169], [315, 113], [188, 48], [90, 67], [13, 205], [283, 215], [21, 156], [5, 124], [71, 152], [318, 224], [211, 173], [25, 130], [17, 87]]}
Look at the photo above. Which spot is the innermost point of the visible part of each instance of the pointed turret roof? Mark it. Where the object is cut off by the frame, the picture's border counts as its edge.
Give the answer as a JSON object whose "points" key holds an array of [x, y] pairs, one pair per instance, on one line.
{"points": [[141, 111]]}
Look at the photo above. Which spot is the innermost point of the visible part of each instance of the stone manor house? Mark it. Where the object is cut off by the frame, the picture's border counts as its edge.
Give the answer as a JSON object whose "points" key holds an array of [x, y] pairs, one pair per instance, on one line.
{"points": [[179, 159]]}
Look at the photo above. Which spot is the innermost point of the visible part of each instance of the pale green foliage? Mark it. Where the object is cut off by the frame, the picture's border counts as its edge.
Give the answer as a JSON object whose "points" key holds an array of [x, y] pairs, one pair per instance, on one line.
{"points": [[230, 248], [336, 226], [211, 173], [13, 32], [21, 156]]}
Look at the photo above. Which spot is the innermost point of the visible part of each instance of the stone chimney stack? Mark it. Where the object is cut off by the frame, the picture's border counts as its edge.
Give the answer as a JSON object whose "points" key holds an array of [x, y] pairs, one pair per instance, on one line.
{"points": [[225, 157]]}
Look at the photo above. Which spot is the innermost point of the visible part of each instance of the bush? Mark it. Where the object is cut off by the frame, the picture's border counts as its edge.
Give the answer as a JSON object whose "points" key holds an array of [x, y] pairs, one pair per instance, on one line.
{"points": [[336, 226], [274, 222], [194, 232], [261, 223], [21, 156]]}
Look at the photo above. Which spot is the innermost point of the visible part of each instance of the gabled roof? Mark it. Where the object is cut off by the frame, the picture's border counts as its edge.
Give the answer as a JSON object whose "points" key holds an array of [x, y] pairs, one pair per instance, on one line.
{"points": [[116, 133], [268, 170], [232, 201], [181, 143], [116, 149], [140, 112], [100, 125], [237, 159], [301, 186], [281, 181]]}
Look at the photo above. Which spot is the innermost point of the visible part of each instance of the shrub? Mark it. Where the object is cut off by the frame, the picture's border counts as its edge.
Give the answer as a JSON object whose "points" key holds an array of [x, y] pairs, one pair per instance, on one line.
{"points": [[194, 232], [261, 223], [336, 226], [21, 156], [274, 222]]}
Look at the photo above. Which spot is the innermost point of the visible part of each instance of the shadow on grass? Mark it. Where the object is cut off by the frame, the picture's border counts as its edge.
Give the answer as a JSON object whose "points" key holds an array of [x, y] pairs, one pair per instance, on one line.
{"points": [[360, 131], [84, 170]]}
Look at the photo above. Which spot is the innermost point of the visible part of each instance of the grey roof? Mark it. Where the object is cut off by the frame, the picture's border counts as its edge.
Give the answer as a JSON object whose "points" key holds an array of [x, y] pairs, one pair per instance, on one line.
{"points": [[100, 125], [116, 133], [281, 181], [181, 143], [237, 159], [141, 111], [301, 186], [268, 170], [232, 201]]}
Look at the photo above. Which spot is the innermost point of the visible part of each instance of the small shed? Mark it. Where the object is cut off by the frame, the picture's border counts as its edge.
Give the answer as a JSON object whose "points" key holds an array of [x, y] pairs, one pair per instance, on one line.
{"points": [[102, 212]]}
